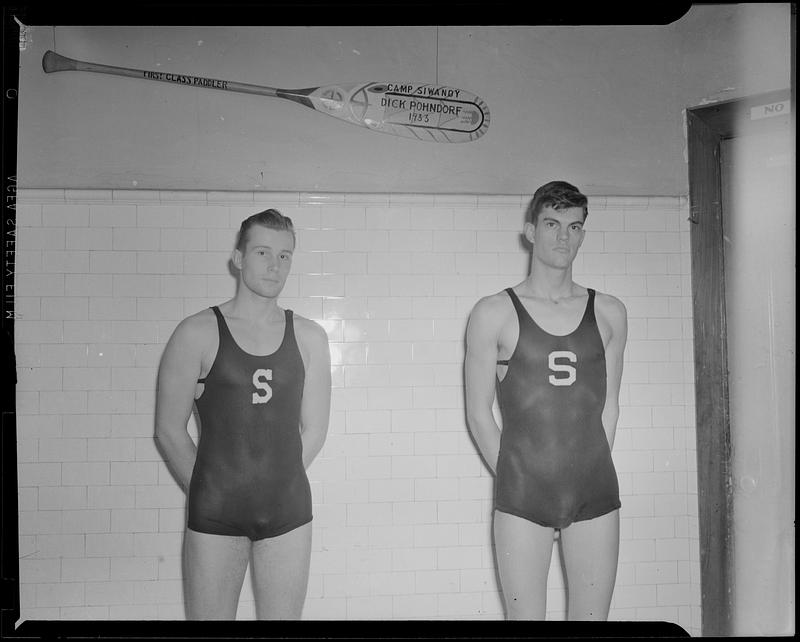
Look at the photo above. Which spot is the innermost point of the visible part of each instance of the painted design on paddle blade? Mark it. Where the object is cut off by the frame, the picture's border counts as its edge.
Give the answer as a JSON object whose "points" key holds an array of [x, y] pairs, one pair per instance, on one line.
{"points": [[433, 113]]}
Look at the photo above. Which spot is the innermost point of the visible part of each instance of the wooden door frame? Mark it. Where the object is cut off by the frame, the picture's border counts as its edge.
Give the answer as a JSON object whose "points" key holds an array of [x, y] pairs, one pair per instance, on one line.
{"points": [[707, 127]]}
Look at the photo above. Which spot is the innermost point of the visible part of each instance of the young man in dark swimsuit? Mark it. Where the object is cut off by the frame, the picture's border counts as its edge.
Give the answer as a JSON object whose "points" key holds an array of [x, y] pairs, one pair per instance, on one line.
{"points": [[260, 378], [552, 351]]}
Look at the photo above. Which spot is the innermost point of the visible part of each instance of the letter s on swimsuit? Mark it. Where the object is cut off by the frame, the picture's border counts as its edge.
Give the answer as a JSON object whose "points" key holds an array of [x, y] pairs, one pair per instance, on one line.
{"points": [[563, 367], [260, 378]]}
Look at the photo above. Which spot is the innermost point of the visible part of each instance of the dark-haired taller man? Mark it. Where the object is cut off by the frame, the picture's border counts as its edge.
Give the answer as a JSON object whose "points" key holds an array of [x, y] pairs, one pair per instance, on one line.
{"points": [[260, 379], [552, 351]]}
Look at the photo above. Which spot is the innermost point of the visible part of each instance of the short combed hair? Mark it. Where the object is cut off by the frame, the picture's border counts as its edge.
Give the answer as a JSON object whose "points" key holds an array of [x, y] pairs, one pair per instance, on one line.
{"points": [[271, 219], [559, 195]]}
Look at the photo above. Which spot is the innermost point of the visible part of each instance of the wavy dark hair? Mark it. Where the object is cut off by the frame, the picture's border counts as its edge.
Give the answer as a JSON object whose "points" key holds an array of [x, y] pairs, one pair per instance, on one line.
{"points": [[559, 195], [271, 219]]}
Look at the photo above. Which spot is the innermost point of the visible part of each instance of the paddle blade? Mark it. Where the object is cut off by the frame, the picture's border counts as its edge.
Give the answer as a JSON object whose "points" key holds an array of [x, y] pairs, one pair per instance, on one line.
{"points": [[433, 113]]}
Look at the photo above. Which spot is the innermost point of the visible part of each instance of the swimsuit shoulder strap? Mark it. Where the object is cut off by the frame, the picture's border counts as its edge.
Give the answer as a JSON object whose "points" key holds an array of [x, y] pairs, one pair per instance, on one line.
{"points": [[589, 314], [519, 309], [222, 328], [517, 303]]}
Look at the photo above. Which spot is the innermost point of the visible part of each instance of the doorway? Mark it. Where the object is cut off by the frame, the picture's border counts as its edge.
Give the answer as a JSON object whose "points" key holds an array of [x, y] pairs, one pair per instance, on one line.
{"points": [[742, 210]]}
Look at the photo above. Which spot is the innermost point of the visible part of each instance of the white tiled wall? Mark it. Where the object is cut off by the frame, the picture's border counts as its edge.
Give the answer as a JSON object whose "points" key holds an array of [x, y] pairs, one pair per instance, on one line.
{"points": [[401, 498]]}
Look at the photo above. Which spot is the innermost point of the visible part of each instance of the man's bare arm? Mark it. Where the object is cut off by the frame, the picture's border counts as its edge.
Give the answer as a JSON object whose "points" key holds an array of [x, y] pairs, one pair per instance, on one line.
{"points": [[316, 405], [480, 372], [177, 380], [617, 318]]}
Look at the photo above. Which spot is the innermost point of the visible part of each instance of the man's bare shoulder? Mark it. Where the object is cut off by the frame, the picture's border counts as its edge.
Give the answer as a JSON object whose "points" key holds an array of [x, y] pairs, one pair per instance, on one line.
{"points": [[197, 328], [193, 342], [491, 312], [493, 304], [309, 331], [611, 309], [609, 303]]}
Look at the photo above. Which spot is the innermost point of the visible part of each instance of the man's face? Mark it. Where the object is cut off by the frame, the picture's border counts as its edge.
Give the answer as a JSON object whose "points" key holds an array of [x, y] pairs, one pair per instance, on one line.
{"points": [[557, 236], [266, 260]]}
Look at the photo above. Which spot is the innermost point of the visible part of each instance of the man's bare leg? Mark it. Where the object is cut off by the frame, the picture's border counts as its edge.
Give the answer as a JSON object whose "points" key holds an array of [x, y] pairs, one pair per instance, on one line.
{"points": [[280, 574], [213, 569], [591, 551], [523, 551]]}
